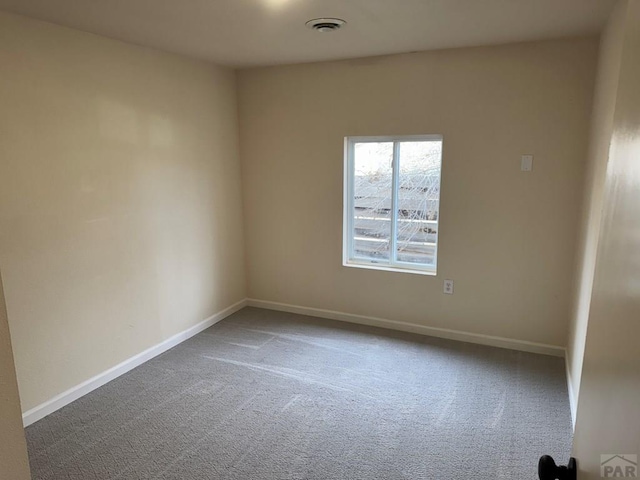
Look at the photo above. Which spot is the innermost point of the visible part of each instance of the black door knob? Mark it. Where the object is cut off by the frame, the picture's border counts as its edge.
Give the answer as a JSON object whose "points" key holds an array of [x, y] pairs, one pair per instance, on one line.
{"points": [[548, 470]]}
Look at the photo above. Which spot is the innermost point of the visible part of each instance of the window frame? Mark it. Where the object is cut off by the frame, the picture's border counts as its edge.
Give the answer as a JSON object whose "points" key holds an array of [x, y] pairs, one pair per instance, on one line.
{"points": [[348, 257]]}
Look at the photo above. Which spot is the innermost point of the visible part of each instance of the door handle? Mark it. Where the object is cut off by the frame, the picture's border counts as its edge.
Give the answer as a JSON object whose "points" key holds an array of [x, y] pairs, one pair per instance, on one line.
{"points": [[548, 470]]}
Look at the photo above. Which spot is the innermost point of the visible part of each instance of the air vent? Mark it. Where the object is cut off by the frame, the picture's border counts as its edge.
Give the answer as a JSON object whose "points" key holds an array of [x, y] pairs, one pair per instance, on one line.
{"points": [[325, 25]]}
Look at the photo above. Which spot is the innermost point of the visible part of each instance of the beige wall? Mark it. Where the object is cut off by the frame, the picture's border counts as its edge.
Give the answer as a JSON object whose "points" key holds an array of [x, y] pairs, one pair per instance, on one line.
{"points": [[506, 237], [600, 141], [14, 463], [608, 418], [120, 205]]}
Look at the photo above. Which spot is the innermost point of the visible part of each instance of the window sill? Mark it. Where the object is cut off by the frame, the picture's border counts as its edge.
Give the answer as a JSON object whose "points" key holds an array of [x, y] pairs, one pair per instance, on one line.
{"points": [[385, 268]]}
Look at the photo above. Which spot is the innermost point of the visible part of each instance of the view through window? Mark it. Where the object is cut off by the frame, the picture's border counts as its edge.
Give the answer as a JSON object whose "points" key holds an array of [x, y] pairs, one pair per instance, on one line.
{"points": [[392, 199]]}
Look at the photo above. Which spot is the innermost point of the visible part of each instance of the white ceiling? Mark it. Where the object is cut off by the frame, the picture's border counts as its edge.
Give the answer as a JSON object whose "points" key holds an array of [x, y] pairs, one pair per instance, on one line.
{"points": [[265, 32]]}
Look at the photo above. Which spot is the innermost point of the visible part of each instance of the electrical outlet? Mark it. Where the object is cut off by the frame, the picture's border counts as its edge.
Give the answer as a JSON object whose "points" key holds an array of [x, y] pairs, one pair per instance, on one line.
{"points": [[526, 163], [448, 287]]}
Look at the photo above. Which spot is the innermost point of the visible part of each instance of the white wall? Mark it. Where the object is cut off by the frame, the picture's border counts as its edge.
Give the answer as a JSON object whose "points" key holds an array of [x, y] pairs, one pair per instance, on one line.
{"points": [[608, 417], [14, 464], [507, 238], [120, 205], [600, 140]]}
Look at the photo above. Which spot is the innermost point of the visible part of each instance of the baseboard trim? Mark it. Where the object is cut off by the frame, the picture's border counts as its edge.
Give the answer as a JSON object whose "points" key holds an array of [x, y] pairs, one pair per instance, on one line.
{"points": [[489, 340], [572, 399], [74, 393]]}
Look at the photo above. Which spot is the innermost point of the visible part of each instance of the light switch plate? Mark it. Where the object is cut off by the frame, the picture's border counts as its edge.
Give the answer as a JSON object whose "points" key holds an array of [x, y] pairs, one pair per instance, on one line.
{"points": [[526, 164]]}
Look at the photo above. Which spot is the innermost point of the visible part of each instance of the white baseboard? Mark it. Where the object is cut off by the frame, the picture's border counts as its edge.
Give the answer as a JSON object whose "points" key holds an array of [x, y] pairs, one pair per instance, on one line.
{"points": [[65, 398], [572, 399], [501, 342]]}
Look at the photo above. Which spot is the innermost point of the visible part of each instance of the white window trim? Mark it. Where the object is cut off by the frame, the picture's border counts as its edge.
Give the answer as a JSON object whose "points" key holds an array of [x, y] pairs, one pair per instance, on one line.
{"points": [[348, 259]]}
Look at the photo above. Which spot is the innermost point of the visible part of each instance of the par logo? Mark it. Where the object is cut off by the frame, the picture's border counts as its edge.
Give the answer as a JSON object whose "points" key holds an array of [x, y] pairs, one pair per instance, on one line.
{"points": [[617, 465]]}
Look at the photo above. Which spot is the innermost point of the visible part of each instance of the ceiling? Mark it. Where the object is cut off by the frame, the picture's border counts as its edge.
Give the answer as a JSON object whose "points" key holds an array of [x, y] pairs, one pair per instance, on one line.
{"points": [[244, 33]]}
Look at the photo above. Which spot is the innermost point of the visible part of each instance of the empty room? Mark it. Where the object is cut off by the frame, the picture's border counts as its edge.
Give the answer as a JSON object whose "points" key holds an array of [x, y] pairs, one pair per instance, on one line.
{"points": [[319, 239]]}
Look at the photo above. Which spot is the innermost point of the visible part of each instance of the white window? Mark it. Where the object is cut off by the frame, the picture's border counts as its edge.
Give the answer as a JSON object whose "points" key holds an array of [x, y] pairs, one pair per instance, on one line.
{"points": [[391, 202]]}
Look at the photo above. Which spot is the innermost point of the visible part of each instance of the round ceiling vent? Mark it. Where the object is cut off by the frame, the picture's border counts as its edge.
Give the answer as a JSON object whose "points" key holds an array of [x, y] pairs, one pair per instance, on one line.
{"points": [[325, 24]]}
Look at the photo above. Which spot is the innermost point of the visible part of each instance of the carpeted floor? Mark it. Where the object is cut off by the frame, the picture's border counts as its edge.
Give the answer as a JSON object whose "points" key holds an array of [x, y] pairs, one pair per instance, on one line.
{"points": [[271, 396]]}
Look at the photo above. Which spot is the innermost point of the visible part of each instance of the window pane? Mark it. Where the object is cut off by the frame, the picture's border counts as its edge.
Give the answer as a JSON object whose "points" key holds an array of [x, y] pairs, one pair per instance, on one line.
{"points": [[418, 201], [373, 177]]}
